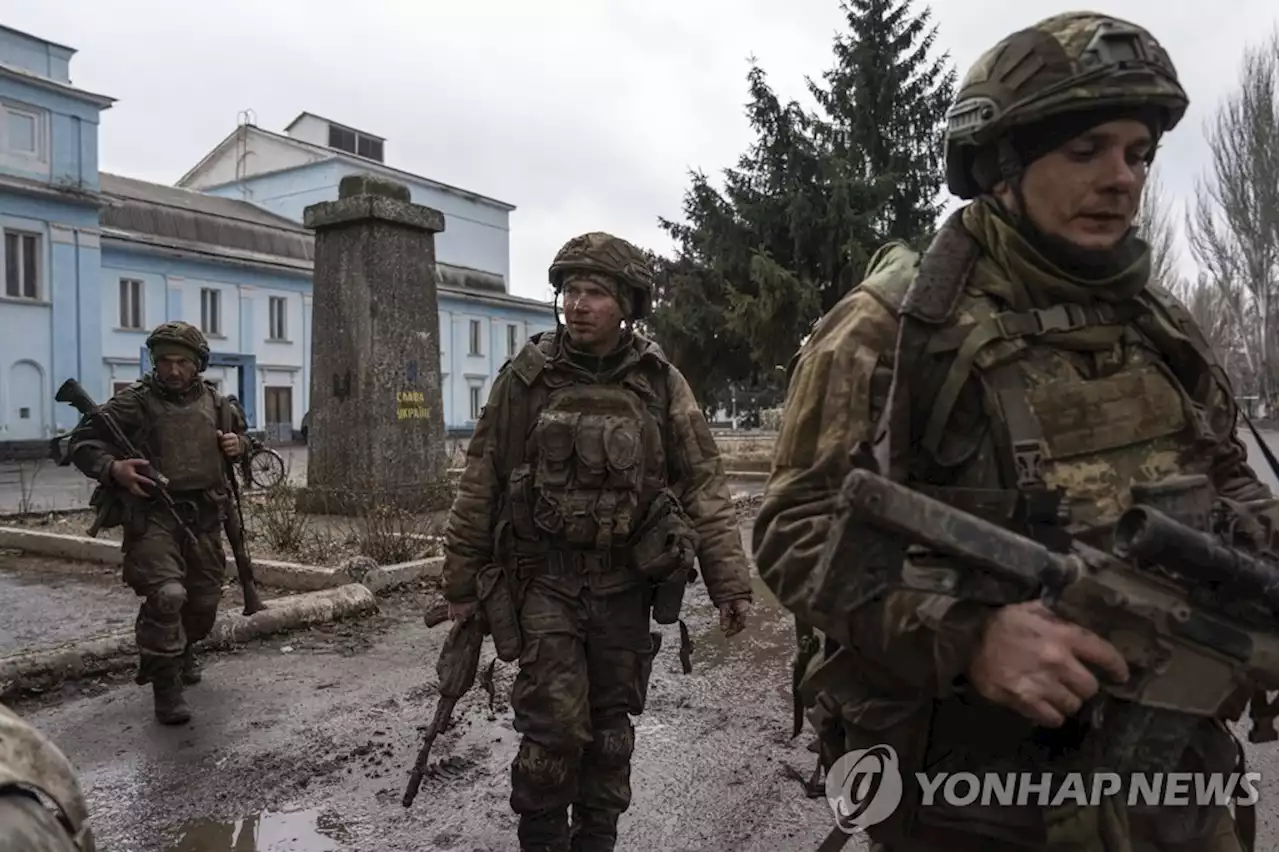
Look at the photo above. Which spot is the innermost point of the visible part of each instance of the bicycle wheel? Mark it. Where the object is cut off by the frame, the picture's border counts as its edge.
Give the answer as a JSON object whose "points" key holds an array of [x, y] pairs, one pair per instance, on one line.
{"points": [[266, 468]]}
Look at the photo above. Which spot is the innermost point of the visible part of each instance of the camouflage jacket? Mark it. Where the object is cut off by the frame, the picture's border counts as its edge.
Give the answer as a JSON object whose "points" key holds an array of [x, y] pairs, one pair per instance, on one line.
{"points": [[839, 389], [30, 763], [90, 447], [695, 470]]}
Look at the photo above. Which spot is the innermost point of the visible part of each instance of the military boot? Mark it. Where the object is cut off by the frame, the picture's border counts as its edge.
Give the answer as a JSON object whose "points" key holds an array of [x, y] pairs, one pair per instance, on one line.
{"points": [[544, 831], [166, 688], [190, 666], [594, 830]]}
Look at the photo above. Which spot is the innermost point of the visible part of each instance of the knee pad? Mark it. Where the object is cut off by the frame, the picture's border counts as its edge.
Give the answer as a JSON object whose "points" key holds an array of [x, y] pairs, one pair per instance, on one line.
{"points": [[541, 778], [169, 598], [612, 745]]}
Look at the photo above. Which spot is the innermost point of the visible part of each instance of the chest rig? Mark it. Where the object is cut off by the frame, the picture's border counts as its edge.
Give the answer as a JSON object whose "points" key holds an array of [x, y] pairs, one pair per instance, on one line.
{"points": [[593, 455], [1055, 438], [181, 437], [1072, 431]]}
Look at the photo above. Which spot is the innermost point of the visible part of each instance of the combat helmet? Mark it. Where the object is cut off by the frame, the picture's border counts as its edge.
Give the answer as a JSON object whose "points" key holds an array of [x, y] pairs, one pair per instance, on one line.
{"points": [[30, 762], [183, 334], [613, 256], [1068, 63]]}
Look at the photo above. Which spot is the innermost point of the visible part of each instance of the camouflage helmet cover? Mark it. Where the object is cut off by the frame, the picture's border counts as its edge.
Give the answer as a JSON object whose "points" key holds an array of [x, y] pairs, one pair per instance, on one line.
{"points": [[613, 256], [29, 761], [182, 334], [1072, 62]]}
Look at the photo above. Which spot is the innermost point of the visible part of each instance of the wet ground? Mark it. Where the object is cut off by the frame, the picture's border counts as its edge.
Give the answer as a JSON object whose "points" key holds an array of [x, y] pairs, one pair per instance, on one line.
{"points": [[48, 601], [304, 742]]}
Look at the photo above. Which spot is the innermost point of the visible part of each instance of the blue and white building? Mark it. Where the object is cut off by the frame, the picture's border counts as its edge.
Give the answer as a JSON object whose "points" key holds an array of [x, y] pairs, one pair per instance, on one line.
{"points": [[92, 261]]}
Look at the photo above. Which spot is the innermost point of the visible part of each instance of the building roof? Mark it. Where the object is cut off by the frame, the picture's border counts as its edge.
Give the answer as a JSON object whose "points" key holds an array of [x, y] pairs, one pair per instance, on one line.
{"points": [[70, 50], [166, 212], [186, 220], [305, 114], [335, 154], [34, 79]]}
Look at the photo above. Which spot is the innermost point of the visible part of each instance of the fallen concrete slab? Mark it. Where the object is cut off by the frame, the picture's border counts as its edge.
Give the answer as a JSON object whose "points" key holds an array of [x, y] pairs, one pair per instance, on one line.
{"points": [[116, 651], [270, 573]]}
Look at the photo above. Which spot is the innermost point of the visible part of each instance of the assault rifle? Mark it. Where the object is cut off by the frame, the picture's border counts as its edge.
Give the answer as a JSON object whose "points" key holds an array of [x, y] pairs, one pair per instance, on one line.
{"points": [[456, 669], [233, 525], [74, 394], [1194, 619]]}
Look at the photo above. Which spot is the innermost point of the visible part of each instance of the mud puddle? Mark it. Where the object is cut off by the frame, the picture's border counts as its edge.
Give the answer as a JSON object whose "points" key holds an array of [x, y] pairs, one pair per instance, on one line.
{"points": [[308, 830]]}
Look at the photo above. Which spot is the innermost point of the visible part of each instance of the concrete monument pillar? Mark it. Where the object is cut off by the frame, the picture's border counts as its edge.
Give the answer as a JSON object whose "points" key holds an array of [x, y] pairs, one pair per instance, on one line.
{"points": [[377, 419]]}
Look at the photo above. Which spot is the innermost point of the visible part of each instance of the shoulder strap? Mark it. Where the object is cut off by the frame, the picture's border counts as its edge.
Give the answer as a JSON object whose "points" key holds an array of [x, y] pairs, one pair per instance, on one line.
{"points": [[529, 362], [930, 301]]}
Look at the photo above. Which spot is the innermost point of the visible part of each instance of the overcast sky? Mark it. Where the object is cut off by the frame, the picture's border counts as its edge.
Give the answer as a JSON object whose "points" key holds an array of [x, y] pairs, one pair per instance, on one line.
{"points": [[585, 114]]}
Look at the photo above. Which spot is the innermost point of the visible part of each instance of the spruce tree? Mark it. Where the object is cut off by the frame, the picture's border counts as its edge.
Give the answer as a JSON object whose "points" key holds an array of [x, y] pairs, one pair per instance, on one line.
{"points": [[808, 203]]}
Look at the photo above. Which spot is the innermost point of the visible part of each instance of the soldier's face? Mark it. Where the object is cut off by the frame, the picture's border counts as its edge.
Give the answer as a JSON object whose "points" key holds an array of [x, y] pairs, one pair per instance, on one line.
{"points": [[175, 372], [592, 316], [1087, 191]]}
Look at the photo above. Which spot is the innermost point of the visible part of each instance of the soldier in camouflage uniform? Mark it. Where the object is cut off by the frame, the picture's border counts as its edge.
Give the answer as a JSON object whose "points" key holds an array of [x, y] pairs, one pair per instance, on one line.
{"points": [[33, 769], [185, 428], [1027, 370], [592, 480]]}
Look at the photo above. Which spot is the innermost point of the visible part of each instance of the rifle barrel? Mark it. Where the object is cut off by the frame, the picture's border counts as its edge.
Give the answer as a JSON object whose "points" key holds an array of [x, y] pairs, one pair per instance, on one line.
{"points": [[1148, 535]]}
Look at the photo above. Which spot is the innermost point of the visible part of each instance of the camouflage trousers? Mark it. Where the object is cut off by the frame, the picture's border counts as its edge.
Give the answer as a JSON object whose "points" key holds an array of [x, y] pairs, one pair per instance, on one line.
{"points": [[584, 670], [181, 583]]}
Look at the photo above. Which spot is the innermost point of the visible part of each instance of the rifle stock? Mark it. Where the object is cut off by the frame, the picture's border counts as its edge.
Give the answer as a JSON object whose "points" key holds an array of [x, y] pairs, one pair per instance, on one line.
{"points": [[1187, 657]]}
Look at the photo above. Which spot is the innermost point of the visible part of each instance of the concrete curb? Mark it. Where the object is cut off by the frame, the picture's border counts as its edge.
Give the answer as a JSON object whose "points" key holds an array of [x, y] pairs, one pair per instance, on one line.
{"points": [[117, 651], [390, 576], [270, 573]]}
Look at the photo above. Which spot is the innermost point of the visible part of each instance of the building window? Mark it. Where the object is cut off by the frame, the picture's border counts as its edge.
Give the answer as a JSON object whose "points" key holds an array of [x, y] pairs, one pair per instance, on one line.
{"points": [[346, 139], [276, 318], [21, 265], [130, 303], [211, 311], [513, 339], [477, 400], [370, 149], [116, 387], [22, 131], [476, 338]]}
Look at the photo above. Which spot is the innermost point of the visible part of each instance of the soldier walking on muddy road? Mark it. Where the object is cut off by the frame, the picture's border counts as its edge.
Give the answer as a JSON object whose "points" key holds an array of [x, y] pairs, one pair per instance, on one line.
{"points": [[1024, 369], [592, 480], [173, 560]]}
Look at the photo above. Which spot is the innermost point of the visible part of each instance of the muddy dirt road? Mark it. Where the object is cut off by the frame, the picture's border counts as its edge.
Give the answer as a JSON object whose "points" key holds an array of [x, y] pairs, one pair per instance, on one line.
{"points": [[302, 743]]}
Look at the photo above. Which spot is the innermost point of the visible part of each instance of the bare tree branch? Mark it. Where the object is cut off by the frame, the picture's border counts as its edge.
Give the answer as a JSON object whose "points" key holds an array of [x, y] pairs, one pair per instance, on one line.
{"points": [[1156, 228], [1234, 228]]}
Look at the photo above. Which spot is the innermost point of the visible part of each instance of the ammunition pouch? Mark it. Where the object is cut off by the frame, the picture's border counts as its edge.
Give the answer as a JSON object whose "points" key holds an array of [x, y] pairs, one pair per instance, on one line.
{"points": [[665, 544], [668, 596], [499, 606], [109, 510]]}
